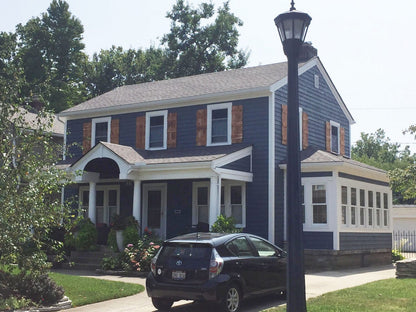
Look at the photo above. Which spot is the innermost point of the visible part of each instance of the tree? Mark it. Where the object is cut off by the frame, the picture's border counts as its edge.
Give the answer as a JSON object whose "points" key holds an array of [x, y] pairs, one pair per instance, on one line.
{"points": [[51, 51], [29, 186], [195, 45], [376, 149], [115, 67]]}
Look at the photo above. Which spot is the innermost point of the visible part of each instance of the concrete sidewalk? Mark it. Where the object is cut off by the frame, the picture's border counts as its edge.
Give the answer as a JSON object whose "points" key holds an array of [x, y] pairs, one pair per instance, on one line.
{"points": [[316, 285]]}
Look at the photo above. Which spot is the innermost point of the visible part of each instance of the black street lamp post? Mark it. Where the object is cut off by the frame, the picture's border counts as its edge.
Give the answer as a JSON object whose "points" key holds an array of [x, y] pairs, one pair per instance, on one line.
{"points": [[292, 27]]}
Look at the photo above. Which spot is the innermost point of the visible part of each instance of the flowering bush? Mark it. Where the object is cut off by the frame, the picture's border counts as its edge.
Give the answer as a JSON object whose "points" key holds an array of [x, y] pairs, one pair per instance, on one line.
{"points": [[142, 254]]}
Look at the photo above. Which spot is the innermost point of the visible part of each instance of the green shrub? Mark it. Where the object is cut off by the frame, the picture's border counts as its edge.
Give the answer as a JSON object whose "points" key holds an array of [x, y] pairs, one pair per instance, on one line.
{"points": [[23, 289], [225, 225], [130, 235], [112, 240], [86, 236], [40, 289], [396, 255]]}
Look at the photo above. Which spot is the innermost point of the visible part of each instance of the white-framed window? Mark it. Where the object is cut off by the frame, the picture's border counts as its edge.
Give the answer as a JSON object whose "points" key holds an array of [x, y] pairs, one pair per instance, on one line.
{"points": [[156, 130], [362, 207], [100, 130], [200, 198], [353, 214], [300, 128], [219, 124], [385, 209], [370, 208], [319, 205], [378, 208], [335, 137], [107, 202], [344, 204], [233, 201]]}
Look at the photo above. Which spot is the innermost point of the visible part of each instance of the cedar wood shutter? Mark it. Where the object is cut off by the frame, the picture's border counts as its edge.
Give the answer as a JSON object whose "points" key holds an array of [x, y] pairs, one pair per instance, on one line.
{"points": [[305, 131], [284, 124], [328, 136], [237, 124], [115, 131], [201, 127], [140, 132], [86, 137], [172, 121], [342, 141]]}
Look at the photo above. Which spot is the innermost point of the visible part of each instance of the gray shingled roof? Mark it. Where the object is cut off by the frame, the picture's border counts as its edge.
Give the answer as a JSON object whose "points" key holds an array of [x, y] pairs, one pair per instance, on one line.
{"points": [[244, 79], [170, 156], [314, 156]]}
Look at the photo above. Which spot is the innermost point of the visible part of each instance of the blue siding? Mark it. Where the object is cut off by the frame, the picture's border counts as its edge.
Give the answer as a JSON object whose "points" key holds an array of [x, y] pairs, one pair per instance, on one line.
{"points": [[255, 131], [318, 240], [364, 241], [242, 164], [320, 105]]}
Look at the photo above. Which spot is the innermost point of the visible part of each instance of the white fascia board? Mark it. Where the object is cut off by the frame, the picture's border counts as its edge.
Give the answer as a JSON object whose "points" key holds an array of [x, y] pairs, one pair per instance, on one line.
{"points": [[348, 168], [232, 157], [100, 151], [168, 103], [235, 175], [315, 61]]}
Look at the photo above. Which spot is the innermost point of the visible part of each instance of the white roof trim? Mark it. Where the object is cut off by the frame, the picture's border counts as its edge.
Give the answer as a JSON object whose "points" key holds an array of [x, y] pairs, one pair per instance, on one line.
{"points": [[305, 67]]}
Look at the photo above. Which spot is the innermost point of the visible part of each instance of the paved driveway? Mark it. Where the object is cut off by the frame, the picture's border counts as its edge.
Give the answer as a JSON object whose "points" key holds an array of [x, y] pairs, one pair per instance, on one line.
{"points": [[316, 284]]}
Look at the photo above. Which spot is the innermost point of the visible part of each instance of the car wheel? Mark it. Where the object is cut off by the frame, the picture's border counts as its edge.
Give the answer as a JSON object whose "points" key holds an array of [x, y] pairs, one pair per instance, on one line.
{"points": [[232, 299], [162, 304]]}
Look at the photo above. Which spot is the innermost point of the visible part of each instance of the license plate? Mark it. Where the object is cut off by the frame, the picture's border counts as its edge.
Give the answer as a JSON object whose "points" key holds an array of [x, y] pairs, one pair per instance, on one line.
{"points": [[178, 275]]}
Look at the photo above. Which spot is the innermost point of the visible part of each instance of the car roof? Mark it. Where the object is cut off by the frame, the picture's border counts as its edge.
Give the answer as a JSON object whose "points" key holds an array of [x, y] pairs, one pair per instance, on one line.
{"points": [[214, 239]]}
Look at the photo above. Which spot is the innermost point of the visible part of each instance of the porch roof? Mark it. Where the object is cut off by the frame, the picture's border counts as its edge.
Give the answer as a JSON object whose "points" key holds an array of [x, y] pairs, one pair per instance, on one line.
{"points": [[170, 156], [142, 162], [316, 158]]}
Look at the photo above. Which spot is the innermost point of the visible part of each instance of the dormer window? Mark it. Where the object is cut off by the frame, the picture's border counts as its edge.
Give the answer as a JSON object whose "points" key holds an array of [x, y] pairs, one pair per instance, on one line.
{"points": [[219, 124], [156, 130], [100, 131], [335, 137]]}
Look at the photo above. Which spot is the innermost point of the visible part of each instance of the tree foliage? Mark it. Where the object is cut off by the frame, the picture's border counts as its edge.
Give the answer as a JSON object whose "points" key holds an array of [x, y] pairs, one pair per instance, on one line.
{"points": [[52, 57], [197, 45], [30, 185], [377, 150]]}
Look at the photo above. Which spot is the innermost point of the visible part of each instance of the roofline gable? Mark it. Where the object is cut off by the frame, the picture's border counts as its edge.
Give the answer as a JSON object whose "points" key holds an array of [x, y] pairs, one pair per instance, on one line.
{"points": [[315, 61]]}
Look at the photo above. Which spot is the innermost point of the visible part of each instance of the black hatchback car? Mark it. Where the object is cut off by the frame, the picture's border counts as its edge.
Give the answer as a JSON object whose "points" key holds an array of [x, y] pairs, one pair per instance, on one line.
{"points": [[222, 268]]}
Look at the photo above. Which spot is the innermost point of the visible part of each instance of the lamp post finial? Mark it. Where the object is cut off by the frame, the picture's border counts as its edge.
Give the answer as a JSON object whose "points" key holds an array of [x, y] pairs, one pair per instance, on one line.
{"points": [[292, 6]]}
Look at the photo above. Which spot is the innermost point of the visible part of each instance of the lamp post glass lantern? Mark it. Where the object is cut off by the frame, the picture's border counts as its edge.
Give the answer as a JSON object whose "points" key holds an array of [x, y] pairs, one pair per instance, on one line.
{"points": [[292, 27]]}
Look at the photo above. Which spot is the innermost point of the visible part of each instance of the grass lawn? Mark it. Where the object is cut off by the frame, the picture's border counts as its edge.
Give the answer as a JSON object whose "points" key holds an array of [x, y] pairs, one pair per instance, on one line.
{"points": [[385, 295], [86, 290]]}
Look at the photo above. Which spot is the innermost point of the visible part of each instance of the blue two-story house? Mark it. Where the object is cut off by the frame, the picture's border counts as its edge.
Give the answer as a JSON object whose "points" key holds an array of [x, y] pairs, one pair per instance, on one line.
{"points": [[180, 152]]}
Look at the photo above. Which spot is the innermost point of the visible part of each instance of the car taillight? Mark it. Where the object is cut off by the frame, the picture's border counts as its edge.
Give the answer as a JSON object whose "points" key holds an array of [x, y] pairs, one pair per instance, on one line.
{"points": [[153, 263], [215, 265]]}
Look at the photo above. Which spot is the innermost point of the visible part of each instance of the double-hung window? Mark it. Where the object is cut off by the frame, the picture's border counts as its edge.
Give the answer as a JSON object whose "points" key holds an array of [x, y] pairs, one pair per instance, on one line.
{"points": [[156, 130], [219, 124], [319, 204], [335, 137], [101, 130]]}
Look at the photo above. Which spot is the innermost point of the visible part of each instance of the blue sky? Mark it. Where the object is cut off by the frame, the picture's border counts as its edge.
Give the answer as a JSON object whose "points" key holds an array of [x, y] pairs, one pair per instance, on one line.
{"points": [[367, 47]]}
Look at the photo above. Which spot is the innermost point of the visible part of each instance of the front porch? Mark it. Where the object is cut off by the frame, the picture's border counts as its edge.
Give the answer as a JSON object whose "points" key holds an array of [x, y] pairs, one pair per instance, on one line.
{"points": [[167, 194]]}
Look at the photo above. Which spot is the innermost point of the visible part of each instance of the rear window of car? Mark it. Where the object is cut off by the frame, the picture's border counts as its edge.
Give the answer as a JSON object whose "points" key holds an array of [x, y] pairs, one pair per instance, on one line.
{"points": [[186, 251]]}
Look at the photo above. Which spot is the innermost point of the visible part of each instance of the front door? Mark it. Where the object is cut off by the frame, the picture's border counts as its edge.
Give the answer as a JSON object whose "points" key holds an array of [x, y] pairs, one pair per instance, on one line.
{"points": [[154, 208]]}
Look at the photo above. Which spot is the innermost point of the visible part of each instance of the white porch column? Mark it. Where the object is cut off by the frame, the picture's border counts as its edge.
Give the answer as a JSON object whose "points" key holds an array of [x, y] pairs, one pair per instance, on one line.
{"points": [[137, 201], [91, 202], [213, 201]]}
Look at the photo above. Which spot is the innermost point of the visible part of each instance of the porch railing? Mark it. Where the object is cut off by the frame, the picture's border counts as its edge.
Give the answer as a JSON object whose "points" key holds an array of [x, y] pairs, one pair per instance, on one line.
{"points": [[405, 243]]}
